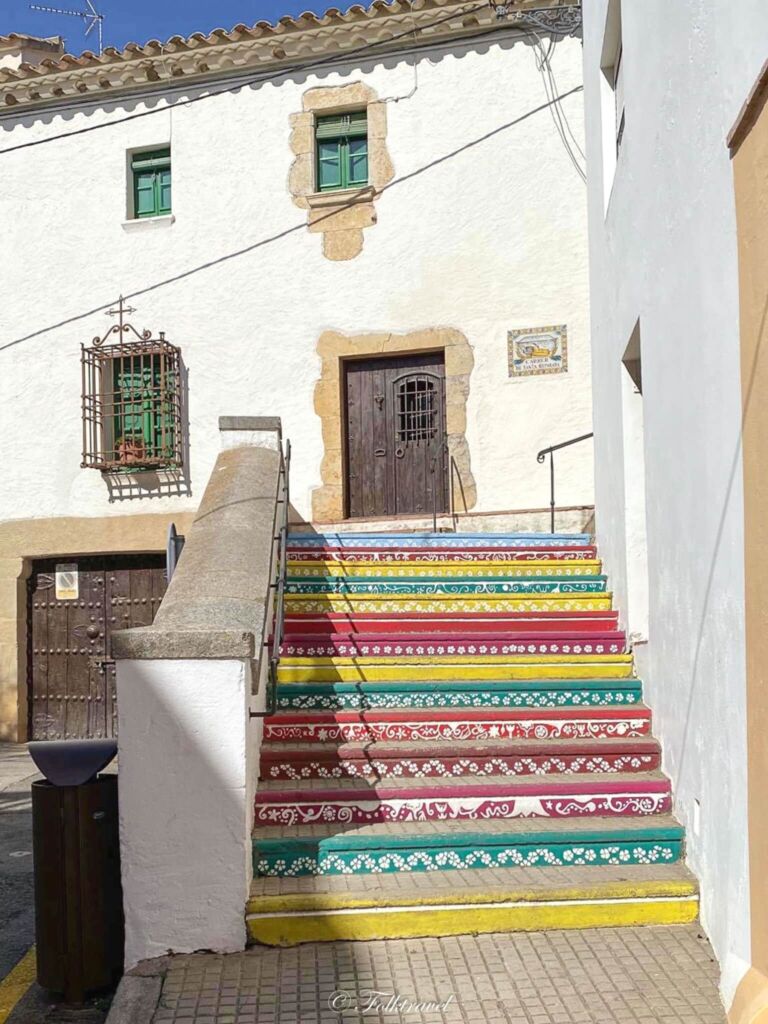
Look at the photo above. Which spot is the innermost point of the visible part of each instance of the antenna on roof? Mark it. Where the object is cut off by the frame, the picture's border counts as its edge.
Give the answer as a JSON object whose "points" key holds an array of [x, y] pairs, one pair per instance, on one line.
{"points": [[94, 19]]}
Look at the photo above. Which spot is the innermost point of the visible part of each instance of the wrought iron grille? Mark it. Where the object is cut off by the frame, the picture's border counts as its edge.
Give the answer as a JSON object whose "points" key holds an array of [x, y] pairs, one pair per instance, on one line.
{"points": [[416, 410], [131, 402]]}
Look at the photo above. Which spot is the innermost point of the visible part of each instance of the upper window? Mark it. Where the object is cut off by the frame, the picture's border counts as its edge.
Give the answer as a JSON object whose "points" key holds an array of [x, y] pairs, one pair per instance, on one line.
{"points": [[342, 151], [151, 183]]}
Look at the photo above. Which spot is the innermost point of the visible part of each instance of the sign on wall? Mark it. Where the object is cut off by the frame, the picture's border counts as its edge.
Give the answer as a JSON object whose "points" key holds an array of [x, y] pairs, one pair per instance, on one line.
{"points": [[537, 350], [67, 581]]}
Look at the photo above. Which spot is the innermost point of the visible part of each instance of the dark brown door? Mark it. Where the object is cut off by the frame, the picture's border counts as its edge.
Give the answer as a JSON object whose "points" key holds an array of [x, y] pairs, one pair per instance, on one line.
{"points": [[74, 605], [396, 444]]}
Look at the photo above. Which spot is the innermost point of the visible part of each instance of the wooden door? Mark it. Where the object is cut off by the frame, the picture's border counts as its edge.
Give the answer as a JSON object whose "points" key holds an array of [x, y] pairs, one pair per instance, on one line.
{"points": [[71, 673], [397, 453]]}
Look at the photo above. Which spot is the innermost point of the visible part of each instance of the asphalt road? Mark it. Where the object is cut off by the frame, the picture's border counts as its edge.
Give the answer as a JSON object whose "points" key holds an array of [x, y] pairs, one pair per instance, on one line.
{"points": [[17, 915]]}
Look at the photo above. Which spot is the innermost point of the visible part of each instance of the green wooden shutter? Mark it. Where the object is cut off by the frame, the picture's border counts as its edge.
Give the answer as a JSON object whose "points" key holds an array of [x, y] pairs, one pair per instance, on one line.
{"points": [[342, 150], [151, 183], [143, 406]]}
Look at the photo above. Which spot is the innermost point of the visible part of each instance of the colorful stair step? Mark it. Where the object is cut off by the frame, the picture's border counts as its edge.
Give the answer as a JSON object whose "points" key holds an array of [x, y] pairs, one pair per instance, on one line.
{"points": [[458, 667], [433, 555], [469, 760], [499, 623], [451, 694], [582, 569], [444, 604], [284, 912], [444, 724], [301, 802], [518, 842], [464, 541], [447, 587], [391, 644]]}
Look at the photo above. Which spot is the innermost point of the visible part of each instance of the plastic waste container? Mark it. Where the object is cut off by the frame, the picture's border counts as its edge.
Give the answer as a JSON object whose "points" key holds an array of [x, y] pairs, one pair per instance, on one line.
{"points": [[75, 840]]}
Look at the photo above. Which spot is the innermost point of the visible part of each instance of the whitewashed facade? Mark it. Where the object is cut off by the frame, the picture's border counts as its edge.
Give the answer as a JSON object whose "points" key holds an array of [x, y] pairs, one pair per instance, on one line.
{"points": [[664, 84], [478, 229]]}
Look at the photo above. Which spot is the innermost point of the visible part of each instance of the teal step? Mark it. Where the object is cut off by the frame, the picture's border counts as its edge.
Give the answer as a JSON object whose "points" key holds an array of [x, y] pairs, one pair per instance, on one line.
{"points": [[446, 585], [510, 843], [450, 694]]}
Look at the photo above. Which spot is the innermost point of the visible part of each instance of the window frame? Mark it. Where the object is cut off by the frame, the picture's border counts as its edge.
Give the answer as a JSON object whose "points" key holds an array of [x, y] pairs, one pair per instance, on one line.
{"points": [[158, 162], [330, 130]]}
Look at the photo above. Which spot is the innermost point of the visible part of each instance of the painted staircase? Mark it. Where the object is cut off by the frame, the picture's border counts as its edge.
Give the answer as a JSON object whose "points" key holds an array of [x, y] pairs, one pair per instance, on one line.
{"points": [[460, 745]]}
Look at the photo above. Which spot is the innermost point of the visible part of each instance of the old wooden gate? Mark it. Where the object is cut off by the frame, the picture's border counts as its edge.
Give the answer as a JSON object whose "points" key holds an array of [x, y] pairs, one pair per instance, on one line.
{"points": [[74, 606], [397, 456]]}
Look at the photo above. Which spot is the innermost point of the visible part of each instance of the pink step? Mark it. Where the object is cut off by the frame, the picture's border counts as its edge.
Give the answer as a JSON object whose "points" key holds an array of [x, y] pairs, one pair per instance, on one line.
{"points": [[574, 796], [470, 760], [495, 623], [474, 724], [415, 644]]}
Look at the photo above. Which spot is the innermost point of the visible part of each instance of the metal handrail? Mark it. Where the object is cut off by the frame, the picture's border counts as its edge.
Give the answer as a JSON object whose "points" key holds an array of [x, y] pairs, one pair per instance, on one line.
{"points": [[278, 617], [549, 452]]}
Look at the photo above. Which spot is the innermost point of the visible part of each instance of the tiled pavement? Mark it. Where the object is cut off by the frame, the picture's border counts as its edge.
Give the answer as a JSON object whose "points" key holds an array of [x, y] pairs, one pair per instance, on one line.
{"points": [[651, 975]]}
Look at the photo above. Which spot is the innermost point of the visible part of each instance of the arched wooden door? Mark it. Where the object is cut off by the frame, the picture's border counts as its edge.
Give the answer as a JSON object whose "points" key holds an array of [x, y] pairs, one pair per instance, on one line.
{"points": [[397, 453]]}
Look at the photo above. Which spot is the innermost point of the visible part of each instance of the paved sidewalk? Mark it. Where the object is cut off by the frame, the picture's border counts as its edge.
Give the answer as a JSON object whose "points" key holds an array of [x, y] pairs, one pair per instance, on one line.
{"points": [[15, 765], [600, 976]]}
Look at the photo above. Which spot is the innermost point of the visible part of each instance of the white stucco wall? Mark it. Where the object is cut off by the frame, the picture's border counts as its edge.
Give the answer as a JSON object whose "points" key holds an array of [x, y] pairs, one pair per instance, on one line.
{"points": [[480, 237], [665, 252], [188, 756]]}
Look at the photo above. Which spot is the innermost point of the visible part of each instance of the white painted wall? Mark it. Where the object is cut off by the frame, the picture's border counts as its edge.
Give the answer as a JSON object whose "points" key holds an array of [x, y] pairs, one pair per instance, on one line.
{"points": [[482, 236], [665, 252], [187, 765]]}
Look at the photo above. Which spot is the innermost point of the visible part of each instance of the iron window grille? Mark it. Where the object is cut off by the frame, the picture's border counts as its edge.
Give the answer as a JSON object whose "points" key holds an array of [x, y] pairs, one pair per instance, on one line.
{"points": [[131, 402], [416, 410]]}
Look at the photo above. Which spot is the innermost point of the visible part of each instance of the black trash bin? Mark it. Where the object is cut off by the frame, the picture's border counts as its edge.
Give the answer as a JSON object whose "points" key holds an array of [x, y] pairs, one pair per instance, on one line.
{"points": [[78, 896]]}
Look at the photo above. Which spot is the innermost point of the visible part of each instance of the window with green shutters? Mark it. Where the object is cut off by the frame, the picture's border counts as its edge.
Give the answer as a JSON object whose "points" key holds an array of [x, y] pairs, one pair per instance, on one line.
{"points": [[342, 151], [151, 183]]}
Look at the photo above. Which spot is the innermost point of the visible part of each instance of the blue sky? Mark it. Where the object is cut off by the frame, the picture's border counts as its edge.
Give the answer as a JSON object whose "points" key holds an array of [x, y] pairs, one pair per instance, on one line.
{"points": [[140, 20]]}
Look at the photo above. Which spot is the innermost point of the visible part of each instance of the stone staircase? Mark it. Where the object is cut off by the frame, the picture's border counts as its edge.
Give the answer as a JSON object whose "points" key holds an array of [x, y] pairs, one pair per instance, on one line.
{"points": [[460, 745]]}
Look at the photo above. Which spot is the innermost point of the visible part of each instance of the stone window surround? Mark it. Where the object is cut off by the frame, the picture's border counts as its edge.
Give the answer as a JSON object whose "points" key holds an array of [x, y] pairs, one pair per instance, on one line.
{"points": [[340, 216], [333, 347]]}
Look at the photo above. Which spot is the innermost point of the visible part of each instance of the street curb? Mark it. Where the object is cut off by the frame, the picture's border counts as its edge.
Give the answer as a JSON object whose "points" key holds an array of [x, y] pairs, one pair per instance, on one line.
{"points": [[136, 1000]]}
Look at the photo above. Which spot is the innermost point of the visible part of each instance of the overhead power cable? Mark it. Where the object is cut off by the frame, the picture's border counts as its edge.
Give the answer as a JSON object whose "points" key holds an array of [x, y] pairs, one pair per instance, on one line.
{"points": [[300, 226], [268, 76]]}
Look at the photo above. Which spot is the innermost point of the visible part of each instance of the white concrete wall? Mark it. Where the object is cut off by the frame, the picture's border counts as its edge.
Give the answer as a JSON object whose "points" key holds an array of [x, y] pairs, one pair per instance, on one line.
{"points": [[482, 236], [665, 252], [187, 767]]}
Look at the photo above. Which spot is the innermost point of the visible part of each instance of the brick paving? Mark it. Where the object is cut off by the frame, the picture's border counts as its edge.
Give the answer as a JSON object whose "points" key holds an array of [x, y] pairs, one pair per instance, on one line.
{"points": [[652, 975]]}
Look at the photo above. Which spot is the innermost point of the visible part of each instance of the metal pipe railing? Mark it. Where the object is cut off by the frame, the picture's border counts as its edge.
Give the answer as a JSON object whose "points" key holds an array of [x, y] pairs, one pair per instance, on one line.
{"points": [[541, 456], [278, 617]]}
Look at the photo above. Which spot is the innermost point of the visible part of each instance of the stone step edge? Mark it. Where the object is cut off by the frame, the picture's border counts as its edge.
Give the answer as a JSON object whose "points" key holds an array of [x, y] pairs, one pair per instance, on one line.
{"points": [[453, 685], [457, 715]]}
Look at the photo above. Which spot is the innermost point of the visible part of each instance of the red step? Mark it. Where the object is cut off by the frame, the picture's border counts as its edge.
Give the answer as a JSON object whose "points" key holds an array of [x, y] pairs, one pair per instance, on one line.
{"points": [[409, 644], [436, 622]]}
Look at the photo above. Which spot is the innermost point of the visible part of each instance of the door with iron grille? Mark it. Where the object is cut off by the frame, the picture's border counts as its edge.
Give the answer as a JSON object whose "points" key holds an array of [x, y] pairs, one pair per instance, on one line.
{"points": [[397, 454], [73, 607]]}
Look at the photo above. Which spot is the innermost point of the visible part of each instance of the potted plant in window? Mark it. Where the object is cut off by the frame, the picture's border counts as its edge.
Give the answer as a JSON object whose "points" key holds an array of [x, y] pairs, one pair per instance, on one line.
{"points": [[129, 449]]}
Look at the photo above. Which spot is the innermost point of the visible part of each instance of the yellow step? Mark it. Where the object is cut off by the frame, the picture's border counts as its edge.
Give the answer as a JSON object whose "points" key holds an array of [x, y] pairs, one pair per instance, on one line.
{"points": [[410, 570], [461, 907], [475, 604]]}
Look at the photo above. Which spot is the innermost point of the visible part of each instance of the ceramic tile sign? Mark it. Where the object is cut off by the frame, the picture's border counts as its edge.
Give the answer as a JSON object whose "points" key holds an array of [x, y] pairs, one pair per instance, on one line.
{"points": [[67, 581], [537, 350]]}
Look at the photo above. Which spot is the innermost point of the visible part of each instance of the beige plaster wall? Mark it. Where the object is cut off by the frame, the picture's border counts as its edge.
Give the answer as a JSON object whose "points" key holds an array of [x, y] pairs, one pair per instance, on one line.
{"points": [[340, 216], [23, 540]]}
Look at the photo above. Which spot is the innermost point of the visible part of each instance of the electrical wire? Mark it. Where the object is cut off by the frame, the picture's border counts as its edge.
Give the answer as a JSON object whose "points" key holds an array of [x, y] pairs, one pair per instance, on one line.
{"points": [[555, 107], [253, 80]]}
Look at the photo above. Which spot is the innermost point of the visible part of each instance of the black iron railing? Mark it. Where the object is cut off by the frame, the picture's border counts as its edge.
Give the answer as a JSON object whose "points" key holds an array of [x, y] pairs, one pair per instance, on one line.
{"points": [[541, 456], [278, 585]]}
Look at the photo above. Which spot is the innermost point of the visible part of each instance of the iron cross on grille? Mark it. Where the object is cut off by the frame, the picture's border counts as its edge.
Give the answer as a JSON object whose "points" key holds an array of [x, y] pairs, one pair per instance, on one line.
{"points": [[122, 326]]}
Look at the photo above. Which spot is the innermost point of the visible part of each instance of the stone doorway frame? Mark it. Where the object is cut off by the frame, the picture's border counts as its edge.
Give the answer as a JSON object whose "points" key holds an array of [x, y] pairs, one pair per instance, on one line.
{"points": [[330, 499]]}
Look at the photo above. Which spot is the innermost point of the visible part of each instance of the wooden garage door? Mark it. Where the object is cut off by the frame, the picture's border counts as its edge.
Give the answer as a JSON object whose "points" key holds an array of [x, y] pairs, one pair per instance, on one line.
{"points": [[74, 605], [396, 442]]}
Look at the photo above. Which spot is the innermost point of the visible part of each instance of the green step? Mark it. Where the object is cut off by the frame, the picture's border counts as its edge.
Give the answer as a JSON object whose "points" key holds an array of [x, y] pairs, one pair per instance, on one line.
{"points": [[512, 845], [366, 696]]}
